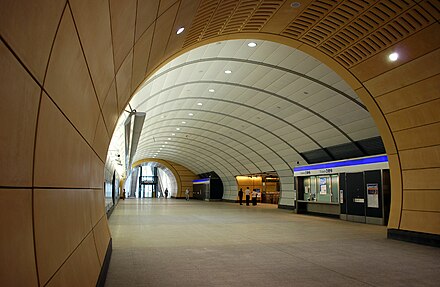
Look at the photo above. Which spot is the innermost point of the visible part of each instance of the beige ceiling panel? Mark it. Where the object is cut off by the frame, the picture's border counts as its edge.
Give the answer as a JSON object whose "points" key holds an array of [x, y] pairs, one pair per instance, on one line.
{"points": [[30, 32], [166, 4], [80, 269], [123, 82], [61, 155], [140, 57], [110, 109], [17, 248], [123, 17], [184, 19], [145, 15], [71, 88], [92, 20], [67, 212], [18, 114], [162, 32]]}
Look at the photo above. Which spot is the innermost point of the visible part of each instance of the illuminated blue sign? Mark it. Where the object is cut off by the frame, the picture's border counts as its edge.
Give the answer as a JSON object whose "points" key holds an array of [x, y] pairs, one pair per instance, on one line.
{"points": [[343, 163]]}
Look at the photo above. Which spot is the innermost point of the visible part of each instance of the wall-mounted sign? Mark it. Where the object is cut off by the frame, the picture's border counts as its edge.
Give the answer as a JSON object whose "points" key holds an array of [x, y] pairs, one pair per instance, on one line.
{"points": [[373, 195], [341, 195]]}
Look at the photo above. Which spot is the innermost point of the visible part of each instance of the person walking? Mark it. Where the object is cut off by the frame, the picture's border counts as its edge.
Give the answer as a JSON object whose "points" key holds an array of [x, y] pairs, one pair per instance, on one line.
{"points": [[248, 193], [166, 192], [187, 193], [240, 196]]}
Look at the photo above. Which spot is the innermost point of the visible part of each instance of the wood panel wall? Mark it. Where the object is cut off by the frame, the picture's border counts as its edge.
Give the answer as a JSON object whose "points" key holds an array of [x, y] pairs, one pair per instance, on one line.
{"points": [[68, 68]]}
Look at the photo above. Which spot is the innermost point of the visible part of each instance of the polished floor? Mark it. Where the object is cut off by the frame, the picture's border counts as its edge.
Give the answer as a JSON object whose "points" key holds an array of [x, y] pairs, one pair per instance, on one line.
{"points": [[159, 242]]}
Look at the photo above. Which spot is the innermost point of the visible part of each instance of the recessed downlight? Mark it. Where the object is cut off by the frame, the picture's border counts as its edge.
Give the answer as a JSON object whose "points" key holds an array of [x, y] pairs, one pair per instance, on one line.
{"points": [[183, 122], [169, 139], [252, 44], [177, 129], [173, 134], [228, 71], [393, 56], [199, 104], [163, 145], [211, 90], [166, 142], [180, 30], [190, 114]]}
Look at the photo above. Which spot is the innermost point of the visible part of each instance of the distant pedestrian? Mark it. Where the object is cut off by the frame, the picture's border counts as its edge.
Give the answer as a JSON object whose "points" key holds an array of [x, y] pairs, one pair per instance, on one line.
{"points": [[161, 193], [123, 194], [187, 194], [248, 194], [254, 197], [240, 196], [166, 192]]}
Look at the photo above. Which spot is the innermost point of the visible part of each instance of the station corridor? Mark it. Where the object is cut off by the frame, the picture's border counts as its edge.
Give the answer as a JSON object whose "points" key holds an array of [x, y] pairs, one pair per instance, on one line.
{"points": [[158, 242]]}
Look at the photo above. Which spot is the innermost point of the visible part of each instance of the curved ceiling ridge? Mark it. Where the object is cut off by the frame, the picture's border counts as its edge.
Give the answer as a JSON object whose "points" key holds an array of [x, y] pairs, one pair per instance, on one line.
{"points": [[279, 68]]}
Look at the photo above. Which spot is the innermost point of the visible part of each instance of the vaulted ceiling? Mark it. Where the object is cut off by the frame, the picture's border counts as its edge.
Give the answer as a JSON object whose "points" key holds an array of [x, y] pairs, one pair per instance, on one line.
{"points": [[276, 105]]}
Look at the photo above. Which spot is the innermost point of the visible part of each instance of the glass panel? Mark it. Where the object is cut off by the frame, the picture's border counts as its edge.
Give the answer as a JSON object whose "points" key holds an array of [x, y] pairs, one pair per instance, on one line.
{"points": [[323, 192], [335, 188], [313, 188]]}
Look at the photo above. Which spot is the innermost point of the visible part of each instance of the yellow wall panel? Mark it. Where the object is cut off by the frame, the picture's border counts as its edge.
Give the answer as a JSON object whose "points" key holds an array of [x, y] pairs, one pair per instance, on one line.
{"points": [[409, 49], [110, 109], [417, 93], [101, 235], [422, 200], [71, 88], [123, 17], [97, 205], [405, 75], [140, 57], [29, 31], [421, 221], [18, 115], [62, 220], [162, 32], [101, 140], [80, 269], [145, 15], [92, 19], [396, 191], [123, 81], [418, 137], [62, 157], [420, 158], [17, 259], [419, 115], [421, 178], [96, 177]]}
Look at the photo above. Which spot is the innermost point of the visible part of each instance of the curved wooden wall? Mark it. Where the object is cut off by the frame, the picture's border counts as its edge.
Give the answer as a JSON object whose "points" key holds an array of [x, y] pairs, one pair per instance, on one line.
{"points": [[69, 68]]}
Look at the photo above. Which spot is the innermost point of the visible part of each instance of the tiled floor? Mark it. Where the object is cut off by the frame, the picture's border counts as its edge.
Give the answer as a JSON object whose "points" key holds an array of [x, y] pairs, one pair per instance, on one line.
{"points": [[194, 243]]}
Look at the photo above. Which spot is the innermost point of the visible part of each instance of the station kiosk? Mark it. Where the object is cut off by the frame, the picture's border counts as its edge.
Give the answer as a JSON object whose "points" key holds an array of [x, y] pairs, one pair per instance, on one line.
{"points": [[355, 189]]}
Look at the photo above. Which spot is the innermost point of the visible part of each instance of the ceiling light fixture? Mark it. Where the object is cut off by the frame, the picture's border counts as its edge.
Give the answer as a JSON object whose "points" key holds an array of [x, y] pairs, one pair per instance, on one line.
{"points": [[169, 139], [228, 71], [173, 134], [178, 129], [393, 56], [166, 142], [183, 122], [190, 114], [180, 30], [211, 90], [199, 104], [252, 44], [163, 146], [295, 5]]}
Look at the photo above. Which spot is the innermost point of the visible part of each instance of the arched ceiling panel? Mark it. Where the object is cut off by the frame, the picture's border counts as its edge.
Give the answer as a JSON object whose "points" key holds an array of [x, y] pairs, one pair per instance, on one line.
{"points": [[276, 104]]}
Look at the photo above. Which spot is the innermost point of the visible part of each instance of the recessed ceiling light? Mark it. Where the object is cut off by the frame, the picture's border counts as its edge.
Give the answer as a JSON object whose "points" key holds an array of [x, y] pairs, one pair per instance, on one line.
{"points": [[228, 71], [166, 142], [173, 134], [178, 129], [169, 139], [190, 114], [199, 104], [393, 56], [163, 146], [183, 122], [295, 5], [211, 90], [160, 148], [180, 30], [252, 44]]}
